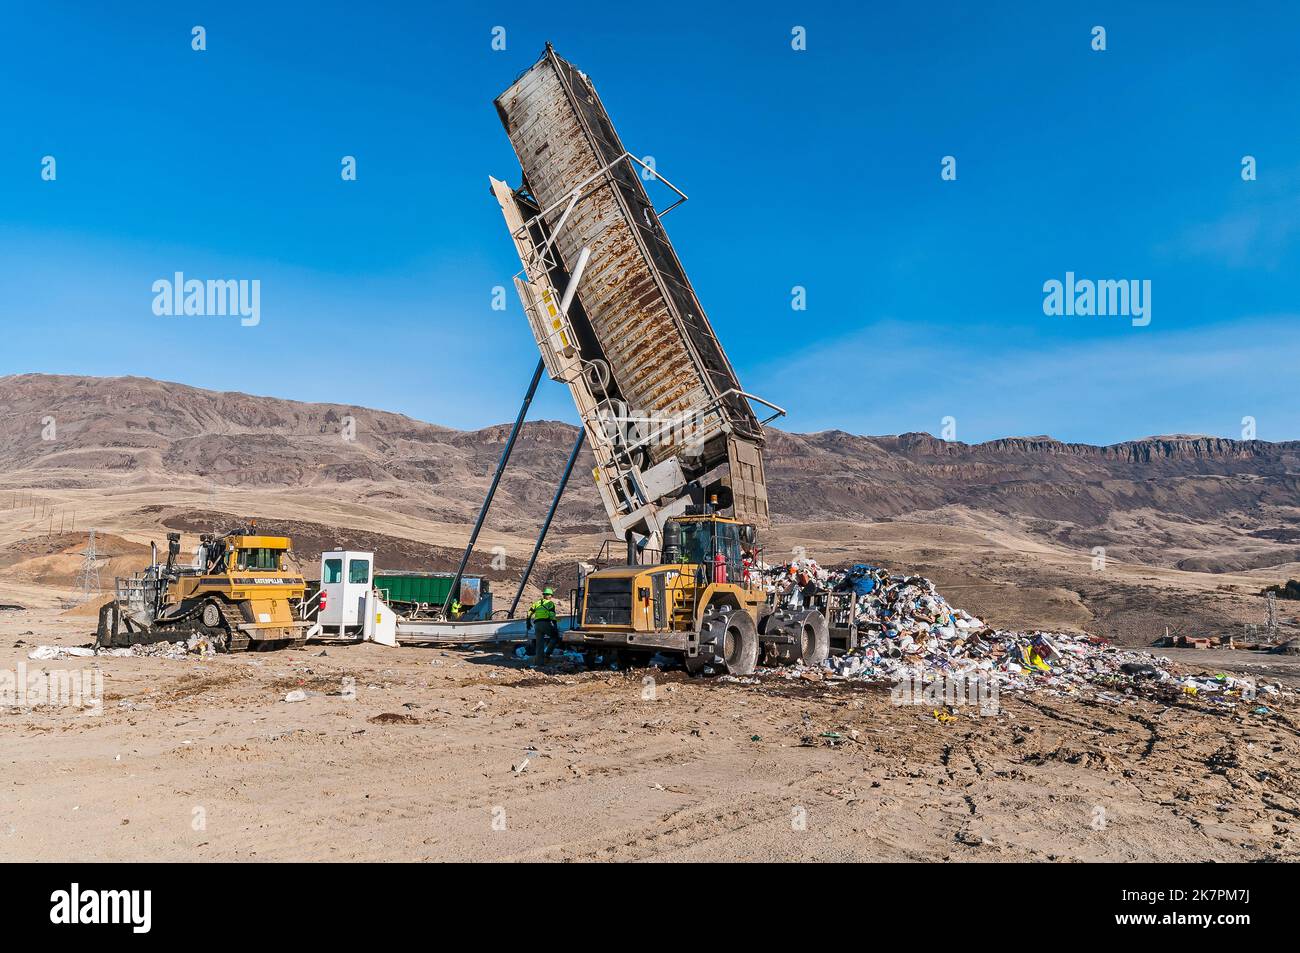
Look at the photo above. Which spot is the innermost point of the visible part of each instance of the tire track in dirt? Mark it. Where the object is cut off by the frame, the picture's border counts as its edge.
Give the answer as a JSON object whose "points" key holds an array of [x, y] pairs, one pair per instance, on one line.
{"points": [[705, 770]]}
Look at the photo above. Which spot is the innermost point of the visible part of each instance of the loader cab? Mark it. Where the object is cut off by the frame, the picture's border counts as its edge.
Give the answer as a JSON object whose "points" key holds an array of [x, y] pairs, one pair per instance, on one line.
{"points": [[698, 539]]}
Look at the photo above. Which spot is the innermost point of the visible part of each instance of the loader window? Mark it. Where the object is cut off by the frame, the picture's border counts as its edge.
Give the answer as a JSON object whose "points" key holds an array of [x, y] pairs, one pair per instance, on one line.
{"points": [[729, 546], [260, 560], [697, 543], [359, 571], [333, 571], [702, 541]]}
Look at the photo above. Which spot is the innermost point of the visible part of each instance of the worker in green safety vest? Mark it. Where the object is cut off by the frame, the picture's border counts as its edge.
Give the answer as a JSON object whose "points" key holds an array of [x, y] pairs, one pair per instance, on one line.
{"points": [[542, 617], [456, 609]]}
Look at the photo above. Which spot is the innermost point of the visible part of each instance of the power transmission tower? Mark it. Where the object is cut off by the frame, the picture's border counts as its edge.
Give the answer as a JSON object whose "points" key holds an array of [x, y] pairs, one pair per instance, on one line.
{"points": [[88, 578]]}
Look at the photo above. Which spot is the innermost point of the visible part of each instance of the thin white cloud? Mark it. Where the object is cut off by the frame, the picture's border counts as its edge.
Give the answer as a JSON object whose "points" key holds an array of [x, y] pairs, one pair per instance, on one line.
{"points": [[1259, 229], [896, 377]]}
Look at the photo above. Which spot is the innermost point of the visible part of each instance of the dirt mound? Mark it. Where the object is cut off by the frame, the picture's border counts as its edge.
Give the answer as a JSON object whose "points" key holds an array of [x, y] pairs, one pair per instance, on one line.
{"points": [[56, 561]]}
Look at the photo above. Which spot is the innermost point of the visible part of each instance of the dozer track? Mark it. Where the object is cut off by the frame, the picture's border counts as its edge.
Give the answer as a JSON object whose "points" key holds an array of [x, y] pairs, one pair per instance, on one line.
{"points": [[226, 636]]}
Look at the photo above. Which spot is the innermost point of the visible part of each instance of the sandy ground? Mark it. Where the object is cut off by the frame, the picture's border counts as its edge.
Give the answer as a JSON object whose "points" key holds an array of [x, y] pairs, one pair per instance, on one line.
{"points": [[416, 754], [202, 759]]}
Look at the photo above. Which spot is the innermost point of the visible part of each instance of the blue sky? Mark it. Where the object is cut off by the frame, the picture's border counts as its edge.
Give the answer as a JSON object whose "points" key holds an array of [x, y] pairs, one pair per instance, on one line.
{"points": [[818, 168]]}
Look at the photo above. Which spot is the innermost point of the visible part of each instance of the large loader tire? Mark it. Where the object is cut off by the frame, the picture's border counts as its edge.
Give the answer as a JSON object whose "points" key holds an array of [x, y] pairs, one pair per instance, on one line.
{"points": [[813, 645], [740, 643]]}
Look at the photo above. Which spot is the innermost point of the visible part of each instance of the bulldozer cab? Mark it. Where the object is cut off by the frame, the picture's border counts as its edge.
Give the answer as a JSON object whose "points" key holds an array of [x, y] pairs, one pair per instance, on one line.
{"points": [[245, 554], [260, 553]]}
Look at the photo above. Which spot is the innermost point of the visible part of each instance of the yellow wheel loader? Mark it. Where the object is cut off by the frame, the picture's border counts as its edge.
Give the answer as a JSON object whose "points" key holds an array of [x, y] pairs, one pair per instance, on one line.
{"points": [[240, 593], [698, 601]]}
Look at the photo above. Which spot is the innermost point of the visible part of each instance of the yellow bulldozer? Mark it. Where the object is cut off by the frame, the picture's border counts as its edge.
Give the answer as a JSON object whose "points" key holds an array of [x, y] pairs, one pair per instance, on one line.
{"points": [[699, 600], [240, 593]]}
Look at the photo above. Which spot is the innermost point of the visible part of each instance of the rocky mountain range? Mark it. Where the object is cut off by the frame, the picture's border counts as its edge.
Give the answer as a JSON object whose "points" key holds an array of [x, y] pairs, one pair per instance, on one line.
{"points": [[1196, 502]]}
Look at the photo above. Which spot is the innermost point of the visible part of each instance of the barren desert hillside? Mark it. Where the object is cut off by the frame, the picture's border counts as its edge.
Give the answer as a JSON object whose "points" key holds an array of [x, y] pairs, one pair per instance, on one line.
{"points": [[1191, 527]]}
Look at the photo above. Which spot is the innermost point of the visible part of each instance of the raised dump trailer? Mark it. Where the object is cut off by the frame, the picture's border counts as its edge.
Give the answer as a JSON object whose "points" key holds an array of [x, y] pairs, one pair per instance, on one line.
{"points": [[678, 445], [665, 415]]}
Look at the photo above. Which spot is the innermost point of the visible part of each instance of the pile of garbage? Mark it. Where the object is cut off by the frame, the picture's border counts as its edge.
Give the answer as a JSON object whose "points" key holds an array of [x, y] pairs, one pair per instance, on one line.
{"points": [[907, 631]]}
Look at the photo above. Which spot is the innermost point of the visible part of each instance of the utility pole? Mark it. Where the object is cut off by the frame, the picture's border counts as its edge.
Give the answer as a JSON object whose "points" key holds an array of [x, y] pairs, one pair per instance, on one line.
{"points": [[88, 579]]}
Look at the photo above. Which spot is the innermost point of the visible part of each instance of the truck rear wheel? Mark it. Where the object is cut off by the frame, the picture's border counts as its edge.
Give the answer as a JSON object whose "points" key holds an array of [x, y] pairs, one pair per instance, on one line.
{"points": [[740, 643]]}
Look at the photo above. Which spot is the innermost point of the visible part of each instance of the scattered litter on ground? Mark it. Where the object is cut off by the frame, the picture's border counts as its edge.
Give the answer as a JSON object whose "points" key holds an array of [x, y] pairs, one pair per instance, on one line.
{"points": [[47, 653], [195, 645]]}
